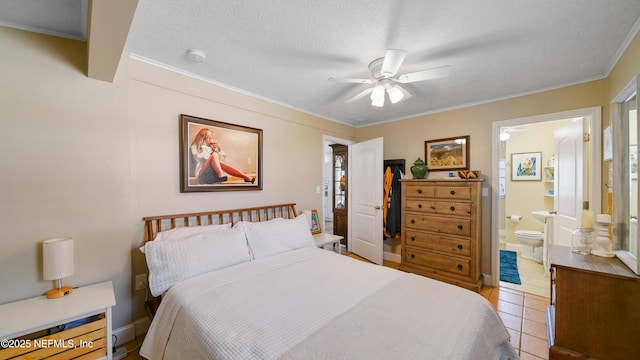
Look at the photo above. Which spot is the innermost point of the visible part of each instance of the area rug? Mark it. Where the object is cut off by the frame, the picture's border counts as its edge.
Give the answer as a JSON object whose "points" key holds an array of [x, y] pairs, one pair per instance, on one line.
{"points": [[509, 267]]}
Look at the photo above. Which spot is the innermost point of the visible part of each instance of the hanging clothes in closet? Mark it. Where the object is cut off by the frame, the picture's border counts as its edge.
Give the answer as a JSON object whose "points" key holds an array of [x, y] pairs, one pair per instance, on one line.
{"points": [[392, 199]]}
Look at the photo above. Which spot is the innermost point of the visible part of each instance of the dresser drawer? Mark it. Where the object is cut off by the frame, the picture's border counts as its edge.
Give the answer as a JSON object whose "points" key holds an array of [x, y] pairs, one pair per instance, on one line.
{"points": [[460, 247], [459, 266], [420, 190], [438, 224], [438, 207], [453, 192]]}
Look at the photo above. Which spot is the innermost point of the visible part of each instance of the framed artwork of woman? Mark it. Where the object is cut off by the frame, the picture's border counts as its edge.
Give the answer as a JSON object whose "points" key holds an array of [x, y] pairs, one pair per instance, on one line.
{"points": [[218, 156]]}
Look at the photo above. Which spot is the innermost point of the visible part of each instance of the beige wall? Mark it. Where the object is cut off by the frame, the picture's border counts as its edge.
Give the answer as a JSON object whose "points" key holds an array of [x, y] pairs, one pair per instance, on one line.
{"points": [[523, 197], [88, 159]]}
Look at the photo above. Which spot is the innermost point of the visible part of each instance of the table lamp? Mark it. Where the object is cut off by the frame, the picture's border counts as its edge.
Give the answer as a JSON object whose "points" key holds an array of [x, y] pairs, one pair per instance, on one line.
{"points": [[57, 261]]}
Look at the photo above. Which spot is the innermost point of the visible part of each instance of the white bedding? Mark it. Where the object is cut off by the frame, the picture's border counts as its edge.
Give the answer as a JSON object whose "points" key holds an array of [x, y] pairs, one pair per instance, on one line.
{"points": [[312, 303]]}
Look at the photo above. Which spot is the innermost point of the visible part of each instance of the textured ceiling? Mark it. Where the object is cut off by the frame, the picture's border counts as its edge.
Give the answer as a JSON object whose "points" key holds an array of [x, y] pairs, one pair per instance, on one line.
{"points": [[285, 50], [63, 18]]}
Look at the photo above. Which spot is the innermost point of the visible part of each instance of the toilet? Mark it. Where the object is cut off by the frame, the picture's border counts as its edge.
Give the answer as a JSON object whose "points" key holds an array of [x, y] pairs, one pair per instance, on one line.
{"points": [[530, 240]]}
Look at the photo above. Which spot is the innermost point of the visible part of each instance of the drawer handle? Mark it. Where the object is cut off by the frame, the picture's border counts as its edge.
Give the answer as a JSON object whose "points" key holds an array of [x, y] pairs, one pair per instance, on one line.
{"points": [[419, 191], [453, 192], [460, 227], [413, 221], [419, 206], [413, 238], [453, 208], [413, 256], [459, 247], [459, 267]]}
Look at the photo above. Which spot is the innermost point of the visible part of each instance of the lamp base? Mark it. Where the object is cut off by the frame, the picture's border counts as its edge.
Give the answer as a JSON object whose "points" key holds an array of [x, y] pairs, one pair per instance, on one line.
{"points": [[59, 292]]}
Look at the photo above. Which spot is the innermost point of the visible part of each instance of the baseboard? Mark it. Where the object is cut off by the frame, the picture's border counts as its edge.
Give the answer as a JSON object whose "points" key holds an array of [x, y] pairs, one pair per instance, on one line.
{"points": [[129, 332], [487, 280], [391, 257], [514, 247], [120, 353]]}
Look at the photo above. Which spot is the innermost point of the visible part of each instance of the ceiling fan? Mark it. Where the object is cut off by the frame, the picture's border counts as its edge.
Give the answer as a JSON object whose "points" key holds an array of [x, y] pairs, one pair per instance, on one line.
{"points": [[384, 76]]}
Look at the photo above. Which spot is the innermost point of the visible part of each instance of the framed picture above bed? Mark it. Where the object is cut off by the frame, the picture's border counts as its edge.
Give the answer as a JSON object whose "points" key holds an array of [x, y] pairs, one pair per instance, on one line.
{"points": [[219, 156], [447, 154]]}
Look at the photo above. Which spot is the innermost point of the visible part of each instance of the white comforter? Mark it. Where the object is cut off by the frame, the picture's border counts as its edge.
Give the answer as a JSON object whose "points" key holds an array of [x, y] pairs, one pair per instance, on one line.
{"points": [[312, 303]]}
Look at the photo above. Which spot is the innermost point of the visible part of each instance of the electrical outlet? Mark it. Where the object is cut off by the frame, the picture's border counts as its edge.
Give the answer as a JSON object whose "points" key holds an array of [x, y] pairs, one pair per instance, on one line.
{"points": [[141, 281]]}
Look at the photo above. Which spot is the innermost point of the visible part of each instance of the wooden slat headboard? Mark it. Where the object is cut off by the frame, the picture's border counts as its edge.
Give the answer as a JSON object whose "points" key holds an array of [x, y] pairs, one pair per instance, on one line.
{"points": [[155, 224]]}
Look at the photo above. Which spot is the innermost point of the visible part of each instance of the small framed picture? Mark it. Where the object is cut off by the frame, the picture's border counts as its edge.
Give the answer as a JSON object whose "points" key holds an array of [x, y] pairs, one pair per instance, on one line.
{"points": [[447, 154], [315, 223], [526, 166]]}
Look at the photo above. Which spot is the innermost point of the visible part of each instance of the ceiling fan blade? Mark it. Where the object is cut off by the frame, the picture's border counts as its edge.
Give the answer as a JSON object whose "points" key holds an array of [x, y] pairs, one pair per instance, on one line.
{"points": [[435, 73], [407, 95], [350, 80], [392, 62], [360, 95]]}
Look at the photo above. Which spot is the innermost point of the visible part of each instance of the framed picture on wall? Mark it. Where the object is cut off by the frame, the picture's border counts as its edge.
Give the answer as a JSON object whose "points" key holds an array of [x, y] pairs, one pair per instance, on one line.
{"points": [[526, 166], [447, 154], [218, 156], [315, 223]]}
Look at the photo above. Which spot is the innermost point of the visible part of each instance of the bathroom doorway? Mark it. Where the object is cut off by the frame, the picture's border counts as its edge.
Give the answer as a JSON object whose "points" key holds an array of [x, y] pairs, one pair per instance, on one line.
{"points": [[520, 203]]}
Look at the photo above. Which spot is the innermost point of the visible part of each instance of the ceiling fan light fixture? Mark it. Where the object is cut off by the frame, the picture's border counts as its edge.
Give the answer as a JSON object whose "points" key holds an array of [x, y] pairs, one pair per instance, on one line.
{"points": [[395, 94], [377, 96]]}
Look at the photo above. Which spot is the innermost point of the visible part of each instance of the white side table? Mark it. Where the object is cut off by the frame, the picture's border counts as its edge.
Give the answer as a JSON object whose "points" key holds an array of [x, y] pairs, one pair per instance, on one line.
{"points": [[323, 239], [39, 313]]}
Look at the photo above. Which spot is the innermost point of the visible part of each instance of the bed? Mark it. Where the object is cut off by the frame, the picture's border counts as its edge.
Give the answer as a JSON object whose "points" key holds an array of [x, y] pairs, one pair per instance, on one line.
{"points": [[252, 284]]}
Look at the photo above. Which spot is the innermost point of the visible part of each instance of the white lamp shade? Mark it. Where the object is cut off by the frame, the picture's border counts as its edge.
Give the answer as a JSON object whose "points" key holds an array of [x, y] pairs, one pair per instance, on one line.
{"points": [[395, 94], [57, 258], [377, 96]]}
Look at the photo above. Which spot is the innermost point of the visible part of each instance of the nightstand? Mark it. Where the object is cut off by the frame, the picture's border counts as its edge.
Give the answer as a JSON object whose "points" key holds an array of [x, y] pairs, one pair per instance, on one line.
{"points": [[323, 239], [26, 325]]}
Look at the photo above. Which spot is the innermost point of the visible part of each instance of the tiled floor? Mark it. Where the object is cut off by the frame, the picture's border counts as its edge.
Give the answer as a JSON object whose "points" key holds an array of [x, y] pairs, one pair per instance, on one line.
{"points": [[523, 314], [533, 278]]}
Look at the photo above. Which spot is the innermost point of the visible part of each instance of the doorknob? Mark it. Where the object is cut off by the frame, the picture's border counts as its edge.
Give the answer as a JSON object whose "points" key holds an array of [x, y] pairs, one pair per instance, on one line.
{"points": [[378, 207]]}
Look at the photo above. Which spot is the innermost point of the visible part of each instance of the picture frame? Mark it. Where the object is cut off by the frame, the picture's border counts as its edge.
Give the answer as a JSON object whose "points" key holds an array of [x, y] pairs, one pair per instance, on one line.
{"points": [[315, 223], [447, 154], [526, 166], [219, 156]]}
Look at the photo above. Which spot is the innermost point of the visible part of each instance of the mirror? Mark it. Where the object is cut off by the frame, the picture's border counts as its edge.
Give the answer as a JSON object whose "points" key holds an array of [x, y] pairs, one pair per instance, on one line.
{"points": [[625, 179]]}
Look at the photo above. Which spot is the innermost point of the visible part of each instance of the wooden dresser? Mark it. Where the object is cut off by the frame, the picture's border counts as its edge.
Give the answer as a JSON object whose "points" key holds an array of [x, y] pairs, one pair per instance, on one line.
{"points": [[594, 307], [441, 230]]}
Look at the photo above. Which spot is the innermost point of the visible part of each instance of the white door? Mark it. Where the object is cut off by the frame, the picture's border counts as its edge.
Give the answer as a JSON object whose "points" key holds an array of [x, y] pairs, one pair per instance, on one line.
{"points": [[365, 203], [569, 181]]}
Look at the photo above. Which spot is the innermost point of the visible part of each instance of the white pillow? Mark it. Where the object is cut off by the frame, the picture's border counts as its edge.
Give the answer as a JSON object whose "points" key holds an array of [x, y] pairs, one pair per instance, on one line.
{"points": [[273, 237], [187, 231], [172, 261]]}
